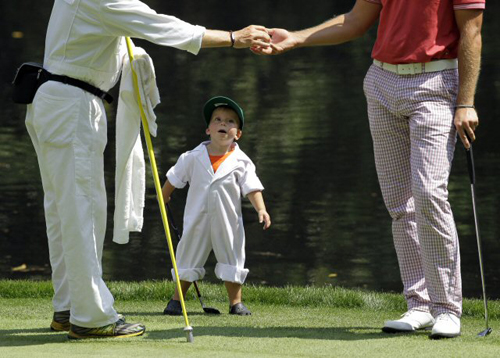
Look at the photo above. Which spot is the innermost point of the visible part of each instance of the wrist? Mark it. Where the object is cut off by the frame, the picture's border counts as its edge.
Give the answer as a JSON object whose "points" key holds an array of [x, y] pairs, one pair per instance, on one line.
{"points": [[458, 106], [299, 39], [231, 37]]}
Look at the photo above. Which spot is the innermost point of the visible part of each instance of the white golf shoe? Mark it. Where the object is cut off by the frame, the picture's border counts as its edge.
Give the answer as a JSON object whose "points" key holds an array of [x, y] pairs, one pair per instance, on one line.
{"points": [[447, 326], [409, 322]]}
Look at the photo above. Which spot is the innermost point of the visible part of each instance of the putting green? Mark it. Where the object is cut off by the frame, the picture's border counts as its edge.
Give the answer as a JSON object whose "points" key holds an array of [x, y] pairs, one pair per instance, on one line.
{"points": [[339, 329]]}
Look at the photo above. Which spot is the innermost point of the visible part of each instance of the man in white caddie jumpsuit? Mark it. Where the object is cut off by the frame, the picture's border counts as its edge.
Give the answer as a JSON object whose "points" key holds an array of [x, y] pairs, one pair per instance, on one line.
{"points": [[85, 41]]}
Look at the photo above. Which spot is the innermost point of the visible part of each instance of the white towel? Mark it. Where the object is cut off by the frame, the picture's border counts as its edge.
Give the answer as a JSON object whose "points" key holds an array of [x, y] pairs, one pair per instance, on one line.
{"points": [[130, 179]]}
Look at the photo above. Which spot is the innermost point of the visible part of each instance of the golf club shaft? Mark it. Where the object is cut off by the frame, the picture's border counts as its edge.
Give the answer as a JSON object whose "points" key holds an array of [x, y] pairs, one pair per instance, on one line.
{"points": [[197, 289], [479, 253], [472, 176]]}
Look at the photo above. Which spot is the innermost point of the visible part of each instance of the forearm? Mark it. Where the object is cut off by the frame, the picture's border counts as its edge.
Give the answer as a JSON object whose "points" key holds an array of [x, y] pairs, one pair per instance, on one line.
{"points": [[216, 38], [469, 60], [331, 32], [340, 29], [469, 23], [257, 200], [167, 191]]}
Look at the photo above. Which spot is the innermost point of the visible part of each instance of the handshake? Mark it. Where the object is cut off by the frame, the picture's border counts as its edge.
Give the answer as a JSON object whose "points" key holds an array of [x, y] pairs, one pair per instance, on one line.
{"points": [[260, 40]]}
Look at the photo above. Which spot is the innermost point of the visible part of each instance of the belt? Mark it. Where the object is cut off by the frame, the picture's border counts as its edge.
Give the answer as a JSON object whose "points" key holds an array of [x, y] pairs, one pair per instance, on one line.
{"points": [[417, 68], [80, 84]]}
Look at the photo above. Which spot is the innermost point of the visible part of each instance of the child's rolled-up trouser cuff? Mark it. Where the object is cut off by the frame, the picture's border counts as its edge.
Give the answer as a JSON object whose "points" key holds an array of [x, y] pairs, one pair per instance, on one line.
{"points": [[189, 275], [231, 273]]}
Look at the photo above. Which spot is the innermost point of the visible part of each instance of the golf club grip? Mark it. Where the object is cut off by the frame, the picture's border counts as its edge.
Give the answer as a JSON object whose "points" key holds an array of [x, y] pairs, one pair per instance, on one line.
{"points": [[470, 165], [172, 223]]}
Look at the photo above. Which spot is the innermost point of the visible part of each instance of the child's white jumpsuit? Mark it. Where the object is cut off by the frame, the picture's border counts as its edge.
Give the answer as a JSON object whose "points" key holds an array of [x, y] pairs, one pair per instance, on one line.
{"points": [[212, 217]]}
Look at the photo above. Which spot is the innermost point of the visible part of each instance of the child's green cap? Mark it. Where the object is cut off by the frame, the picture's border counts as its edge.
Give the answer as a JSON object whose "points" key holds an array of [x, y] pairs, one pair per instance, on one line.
{"points": [[218, 101]]}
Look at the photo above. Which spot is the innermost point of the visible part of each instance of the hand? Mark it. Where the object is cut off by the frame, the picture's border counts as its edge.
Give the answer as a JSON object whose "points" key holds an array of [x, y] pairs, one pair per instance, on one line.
{"points": [[281, 41], [264, 218], [252, 36], [466, 122]]}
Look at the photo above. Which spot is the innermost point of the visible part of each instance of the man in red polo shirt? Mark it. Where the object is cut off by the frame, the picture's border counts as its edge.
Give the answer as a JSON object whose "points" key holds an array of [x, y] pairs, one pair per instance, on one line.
{"points": [[420, 95]]}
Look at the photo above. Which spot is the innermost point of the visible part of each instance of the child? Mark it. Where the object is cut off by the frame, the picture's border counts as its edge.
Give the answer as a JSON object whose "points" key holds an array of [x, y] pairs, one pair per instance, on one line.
{"points": [[219, 174]]}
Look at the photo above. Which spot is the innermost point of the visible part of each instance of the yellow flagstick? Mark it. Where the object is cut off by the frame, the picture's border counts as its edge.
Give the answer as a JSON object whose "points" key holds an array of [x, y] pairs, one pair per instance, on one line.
{"points": [[188, 329]]}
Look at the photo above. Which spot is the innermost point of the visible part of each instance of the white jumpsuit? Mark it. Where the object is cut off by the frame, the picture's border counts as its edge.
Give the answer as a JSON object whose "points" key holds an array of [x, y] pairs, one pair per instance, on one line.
{"points": [[212, 217], [68, 128]]}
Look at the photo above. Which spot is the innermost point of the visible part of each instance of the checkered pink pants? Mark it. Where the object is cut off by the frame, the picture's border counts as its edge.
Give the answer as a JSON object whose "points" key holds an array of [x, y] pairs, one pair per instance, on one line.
{"points": [[411, 122]]}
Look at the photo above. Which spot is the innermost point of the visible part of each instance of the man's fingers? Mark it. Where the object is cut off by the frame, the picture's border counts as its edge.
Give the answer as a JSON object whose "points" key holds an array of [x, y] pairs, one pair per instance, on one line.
{"points": [[259, 27], [252, 36], [261, 51], [466, 122], [471, 134], [463, 138], [260, 43]]}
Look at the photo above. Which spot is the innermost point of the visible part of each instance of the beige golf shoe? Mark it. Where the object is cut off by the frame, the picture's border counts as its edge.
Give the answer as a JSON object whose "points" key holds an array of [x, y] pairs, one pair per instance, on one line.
{"points": [[409, 322], [447, 326]]}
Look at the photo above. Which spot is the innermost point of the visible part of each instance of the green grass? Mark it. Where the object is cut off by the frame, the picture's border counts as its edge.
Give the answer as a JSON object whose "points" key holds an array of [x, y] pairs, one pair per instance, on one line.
{"points": [[286, 322]]}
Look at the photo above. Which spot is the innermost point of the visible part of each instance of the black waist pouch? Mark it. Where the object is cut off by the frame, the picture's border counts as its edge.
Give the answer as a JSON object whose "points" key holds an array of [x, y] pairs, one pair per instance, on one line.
{"points": [[29, 76]]}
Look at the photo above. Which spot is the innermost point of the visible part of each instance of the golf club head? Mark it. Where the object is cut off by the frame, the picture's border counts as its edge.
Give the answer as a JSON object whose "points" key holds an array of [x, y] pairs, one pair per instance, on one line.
{"points": [[211, 310], [485, 332]]}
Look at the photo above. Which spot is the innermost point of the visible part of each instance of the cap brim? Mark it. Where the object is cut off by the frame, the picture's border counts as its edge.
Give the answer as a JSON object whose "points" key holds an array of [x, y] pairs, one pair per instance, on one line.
{"points": [[218, 101]]}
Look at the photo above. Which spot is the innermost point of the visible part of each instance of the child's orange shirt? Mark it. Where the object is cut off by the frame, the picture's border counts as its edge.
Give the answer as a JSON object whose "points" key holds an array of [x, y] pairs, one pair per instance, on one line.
{"points": [[217, 160]]}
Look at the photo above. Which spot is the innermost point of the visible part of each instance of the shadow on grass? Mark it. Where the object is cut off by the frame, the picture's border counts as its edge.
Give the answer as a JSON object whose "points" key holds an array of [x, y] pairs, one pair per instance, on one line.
{"points": [[40, 336], [160, 314], [30, 337], [320, 333]]}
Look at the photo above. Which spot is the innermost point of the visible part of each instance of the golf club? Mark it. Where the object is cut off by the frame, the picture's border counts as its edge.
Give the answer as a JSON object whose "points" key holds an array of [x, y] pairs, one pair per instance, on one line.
{"points": [[208, 310], [472, 176]]}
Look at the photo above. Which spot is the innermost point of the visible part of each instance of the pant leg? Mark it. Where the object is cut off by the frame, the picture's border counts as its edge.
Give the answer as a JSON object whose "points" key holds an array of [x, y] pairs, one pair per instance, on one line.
{"points": [[433, 139], [70, 130], [228, 240], [194, 247], [61, 299], [391, 144]]}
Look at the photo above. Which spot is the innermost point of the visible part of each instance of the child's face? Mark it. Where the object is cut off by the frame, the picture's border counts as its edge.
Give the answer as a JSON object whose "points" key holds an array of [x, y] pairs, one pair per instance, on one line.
{"points": [[224, 127]]}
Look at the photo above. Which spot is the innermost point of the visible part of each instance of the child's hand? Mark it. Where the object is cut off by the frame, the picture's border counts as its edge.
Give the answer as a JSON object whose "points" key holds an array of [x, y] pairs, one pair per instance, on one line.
{"points": [[264, 218]]}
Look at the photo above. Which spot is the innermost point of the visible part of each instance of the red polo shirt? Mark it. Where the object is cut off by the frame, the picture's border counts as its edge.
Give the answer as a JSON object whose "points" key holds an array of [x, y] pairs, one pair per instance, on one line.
{"points": [[413, 31]]}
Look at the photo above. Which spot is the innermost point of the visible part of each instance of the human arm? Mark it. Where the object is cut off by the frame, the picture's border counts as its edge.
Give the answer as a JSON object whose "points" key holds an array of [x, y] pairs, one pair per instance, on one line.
{"points": [[135, 19], [167, 191], [257, 201], [469, 23], [340, 29], [249, 36]]}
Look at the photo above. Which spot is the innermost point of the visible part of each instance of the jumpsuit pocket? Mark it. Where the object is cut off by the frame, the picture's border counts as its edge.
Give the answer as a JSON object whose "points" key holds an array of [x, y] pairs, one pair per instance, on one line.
{"points": [[83, 175], [55, 119]]}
